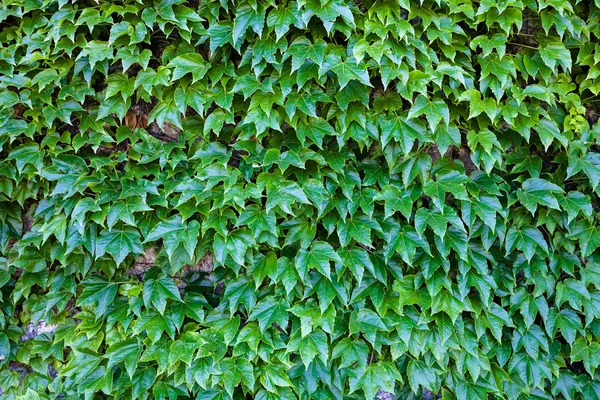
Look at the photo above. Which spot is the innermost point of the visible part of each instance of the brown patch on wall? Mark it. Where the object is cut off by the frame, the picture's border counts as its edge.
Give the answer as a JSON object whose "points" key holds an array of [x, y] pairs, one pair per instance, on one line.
{"points": [[143, 263]]}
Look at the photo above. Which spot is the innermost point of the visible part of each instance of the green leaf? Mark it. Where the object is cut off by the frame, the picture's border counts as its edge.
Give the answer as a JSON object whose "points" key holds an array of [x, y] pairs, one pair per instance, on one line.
{"points": [[527, 240], [351, 351], [175, 233], [281, 18], [574, 203], [285, 195], [349, 70], [157, 290], [435, 111], [4, 348], [405, 241], [451, 182], [588, 236], [303, 49], [405, 131], [567, 321], [220, 33], [316, 129], [437, 220], [123, 210], [236, 371], [419, 375], [312, 345], [27, 154], [128, 352], [536, 192], [247, 16], [395, 200], [119, 243], [356, 260], [318, 257], [589, 353], [376, 376], [556, 52], [367, 322], [270, 311], [189, 63], [590, 165], [548, 131], [99, 292]]}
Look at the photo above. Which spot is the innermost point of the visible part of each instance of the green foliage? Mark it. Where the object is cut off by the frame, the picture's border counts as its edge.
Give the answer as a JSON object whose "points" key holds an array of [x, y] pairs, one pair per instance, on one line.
{"points": [[315, 199]]}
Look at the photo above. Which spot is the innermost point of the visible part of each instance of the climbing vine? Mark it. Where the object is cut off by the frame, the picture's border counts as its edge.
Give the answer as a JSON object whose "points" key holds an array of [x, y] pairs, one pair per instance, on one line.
{"points": [[311, 199]]}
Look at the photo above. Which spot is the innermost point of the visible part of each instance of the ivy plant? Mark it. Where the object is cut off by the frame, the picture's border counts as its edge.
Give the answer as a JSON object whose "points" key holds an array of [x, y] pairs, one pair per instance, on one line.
{"points": [[299, 199]]}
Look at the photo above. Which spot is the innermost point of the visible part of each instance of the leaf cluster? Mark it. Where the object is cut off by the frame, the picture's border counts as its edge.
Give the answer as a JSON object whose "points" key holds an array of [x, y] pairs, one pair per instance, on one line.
{"points": [[301, 199]]}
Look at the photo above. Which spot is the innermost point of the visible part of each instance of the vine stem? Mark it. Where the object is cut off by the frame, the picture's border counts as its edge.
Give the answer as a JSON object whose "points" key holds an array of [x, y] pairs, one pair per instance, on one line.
{"points": [[523, 45]]}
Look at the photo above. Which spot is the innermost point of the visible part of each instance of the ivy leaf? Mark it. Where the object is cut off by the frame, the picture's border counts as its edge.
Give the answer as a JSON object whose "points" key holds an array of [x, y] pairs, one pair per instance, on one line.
{"points": [[527, 240], [500, 67], [240, 291], [189, 63], [258, 220], [588, 353], [588, 236], [119, 243], [312, 345], [356, 260], [451, 182], [536, 192], [114, 105], [316, 129], [367, 322], [25, 154], [405, 241], [351, 351], [567, 321], [123, 210], [403, 131], [166, 111], [484, 139], [127, 351], [574, 203], [269, 311], [590, 165], [419, 375], [318, 257], [281, 18], [98, 292], [566, 384], [246, 17], [435, 111], [444, 136], [349, 70], [556, 52], [305, 102], [303, 49], [359, 228], [157, 290], [236, 371], [4, 348], [438, 220], [548, 131], [220, 33], [395, 200], [284, 196], [374, 377], [175, 233], [489, 44]]}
